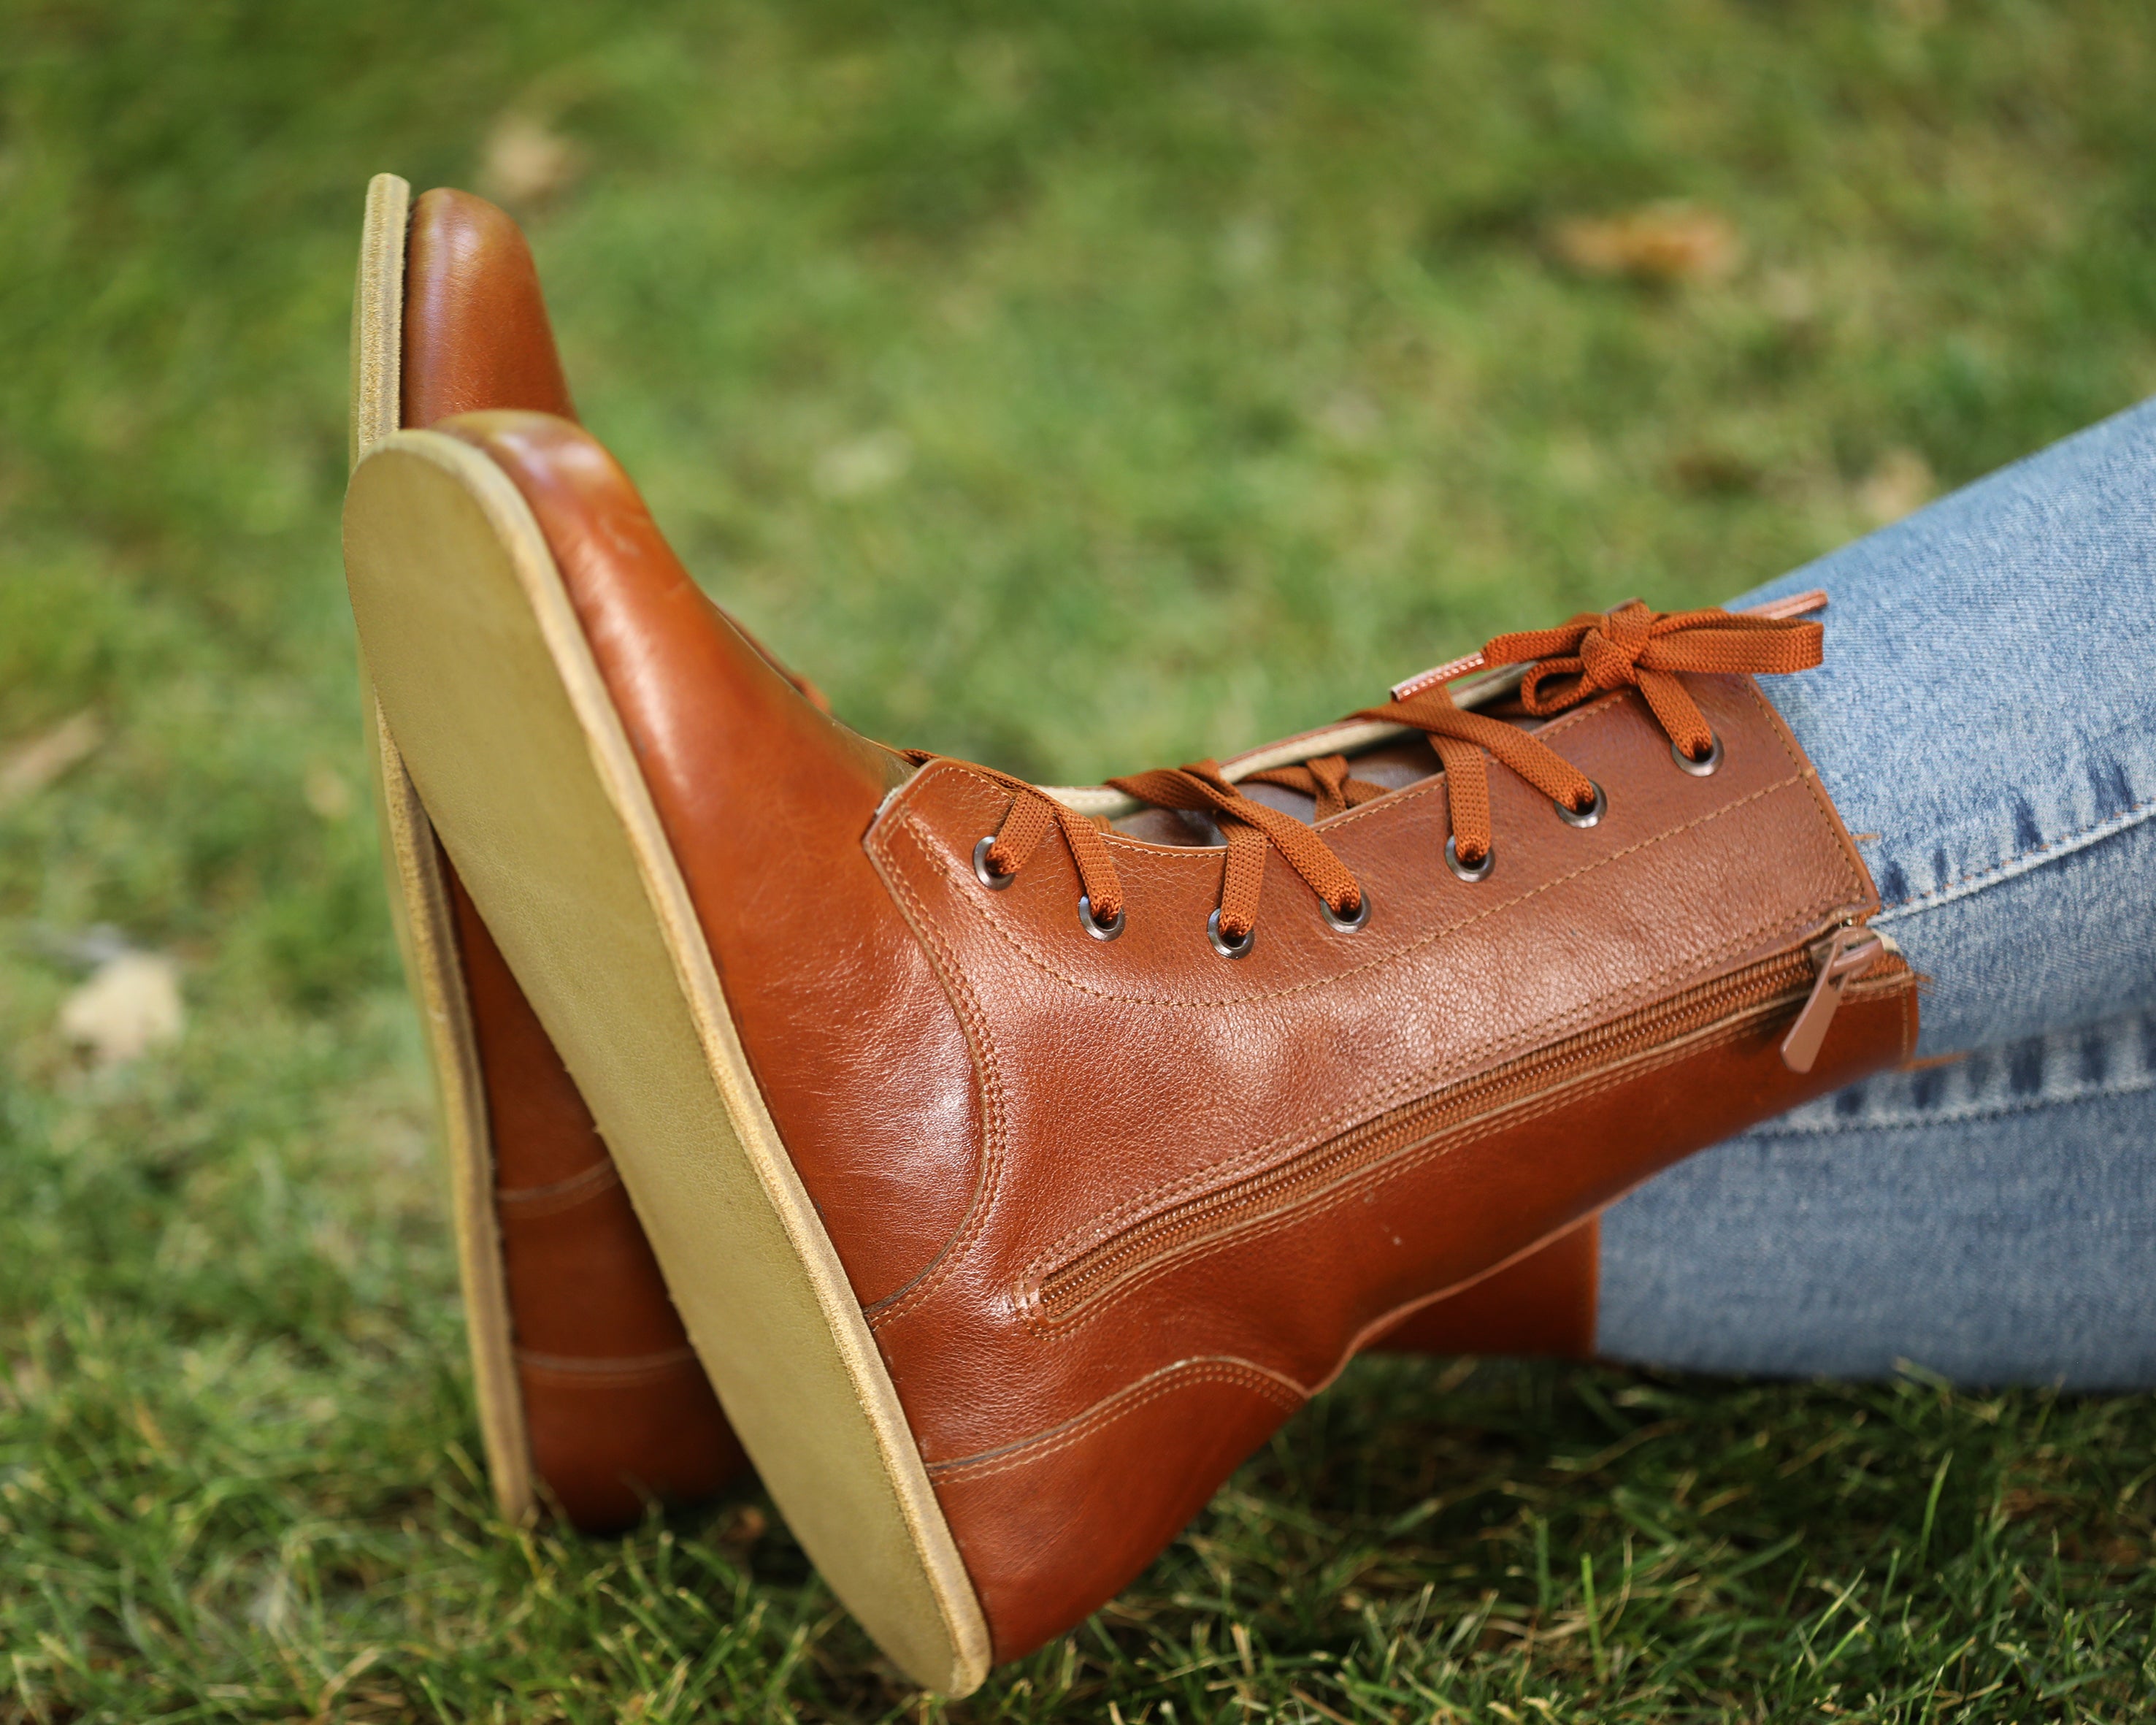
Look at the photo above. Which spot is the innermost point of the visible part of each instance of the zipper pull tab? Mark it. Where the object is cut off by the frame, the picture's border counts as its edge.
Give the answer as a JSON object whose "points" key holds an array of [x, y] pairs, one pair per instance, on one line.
{"points": [[1839, 957]]}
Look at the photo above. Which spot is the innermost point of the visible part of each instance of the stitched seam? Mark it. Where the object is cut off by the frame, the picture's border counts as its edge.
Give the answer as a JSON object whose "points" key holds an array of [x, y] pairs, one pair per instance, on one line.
{"points": [[986, 1070], [1439, 1143], [1397, 955], [988, 1074], [2021, 862], [1854, 871], [1114, 1406], [1954, 1116], [1911, 1017], [531, 1202], [626, 1365], [1428, 1150], [1423, 1081], [1150, 859]]}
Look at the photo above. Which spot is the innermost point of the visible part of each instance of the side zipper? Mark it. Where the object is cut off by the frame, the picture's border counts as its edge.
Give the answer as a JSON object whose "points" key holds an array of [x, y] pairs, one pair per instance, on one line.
{"points": [[1847, 951], [1823, 968]]}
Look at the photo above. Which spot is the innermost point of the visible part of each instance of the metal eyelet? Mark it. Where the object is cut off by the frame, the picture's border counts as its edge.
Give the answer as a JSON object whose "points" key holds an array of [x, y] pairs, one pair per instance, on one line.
{"points": [[1587, 816], [1349, 925], [1481, 871], [987, 876], [1098, 930], [1223, 945], [1706, 763]]}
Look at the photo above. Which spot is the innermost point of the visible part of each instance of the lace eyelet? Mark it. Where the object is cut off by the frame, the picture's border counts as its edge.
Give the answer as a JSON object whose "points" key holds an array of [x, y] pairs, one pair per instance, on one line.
{"points": [[1481, 871], [1098, 930], [987, 876], [1223, 945], [1588, 816], [1349, 925], [1706, 763]]}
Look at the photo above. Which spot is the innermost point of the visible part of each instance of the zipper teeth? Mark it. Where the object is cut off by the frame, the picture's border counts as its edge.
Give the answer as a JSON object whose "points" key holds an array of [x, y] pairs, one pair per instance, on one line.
{"points": [[1761, 985]]}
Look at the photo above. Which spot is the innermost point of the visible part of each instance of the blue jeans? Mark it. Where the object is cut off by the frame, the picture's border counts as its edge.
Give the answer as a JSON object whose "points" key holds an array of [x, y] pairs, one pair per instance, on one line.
{"points": [[1985, 721]]}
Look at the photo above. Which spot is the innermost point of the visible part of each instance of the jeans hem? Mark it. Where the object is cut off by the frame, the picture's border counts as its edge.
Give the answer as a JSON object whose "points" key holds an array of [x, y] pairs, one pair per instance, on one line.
{"points": [[1948, 1116], [2013, 867]]}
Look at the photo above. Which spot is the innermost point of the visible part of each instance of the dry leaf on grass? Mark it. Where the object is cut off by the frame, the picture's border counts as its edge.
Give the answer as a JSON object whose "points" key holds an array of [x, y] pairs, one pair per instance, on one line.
{"points": [[328, 793], [1710, 471], [1900, 484], [28, 767], [866, 463], [1789, 297], [526, 162], [1350, 417], [1658, 242], [130, 1004]]}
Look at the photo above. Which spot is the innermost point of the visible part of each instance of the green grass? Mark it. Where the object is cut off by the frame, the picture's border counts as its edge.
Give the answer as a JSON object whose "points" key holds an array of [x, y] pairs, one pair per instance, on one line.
{"points": [[1084, 387]]}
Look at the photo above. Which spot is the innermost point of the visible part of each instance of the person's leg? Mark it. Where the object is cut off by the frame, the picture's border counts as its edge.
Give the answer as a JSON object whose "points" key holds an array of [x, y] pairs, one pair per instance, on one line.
{"points": [[1987, 711], [1993, 1220], [1985, 720]]}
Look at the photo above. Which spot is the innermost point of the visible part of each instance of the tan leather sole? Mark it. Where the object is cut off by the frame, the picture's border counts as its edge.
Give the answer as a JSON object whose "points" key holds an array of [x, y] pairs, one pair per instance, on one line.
{"points": [[507, 730], [420, 906]]}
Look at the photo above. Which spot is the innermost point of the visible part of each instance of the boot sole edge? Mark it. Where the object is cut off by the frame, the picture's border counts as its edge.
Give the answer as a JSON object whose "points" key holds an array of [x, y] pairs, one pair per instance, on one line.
{"points": [[512, 740]]}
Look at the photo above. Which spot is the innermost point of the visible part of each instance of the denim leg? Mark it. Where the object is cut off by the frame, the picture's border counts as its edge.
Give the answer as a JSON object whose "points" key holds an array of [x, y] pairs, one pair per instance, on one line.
{"points": [[1993, 1220], [1985, 721]]}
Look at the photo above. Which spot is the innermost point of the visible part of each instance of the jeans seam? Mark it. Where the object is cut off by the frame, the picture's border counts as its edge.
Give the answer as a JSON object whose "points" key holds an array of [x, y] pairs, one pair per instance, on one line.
{"points": [[1956, 1117], [2024, 862]]}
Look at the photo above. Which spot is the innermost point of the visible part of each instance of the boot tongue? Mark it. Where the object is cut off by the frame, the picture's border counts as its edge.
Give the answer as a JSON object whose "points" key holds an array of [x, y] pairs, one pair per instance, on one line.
{"points": [[1405, 761], [1393, 766]]}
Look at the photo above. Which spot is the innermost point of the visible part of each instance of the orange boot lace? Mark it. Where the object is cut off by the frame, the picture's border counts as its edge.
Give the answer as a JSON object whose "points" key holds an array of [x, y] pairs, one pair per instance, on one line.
{"points": [[1593, 654]]}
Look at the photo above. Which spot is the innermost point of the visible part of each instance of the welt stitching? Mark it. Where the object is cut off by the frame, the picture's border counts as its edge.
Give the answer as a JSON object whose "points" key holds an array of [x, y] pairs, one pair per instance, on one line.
{"points": [[1366, 1106], [1117, 1403], [988, 1073], [1440, 1145], [2053, 844]]}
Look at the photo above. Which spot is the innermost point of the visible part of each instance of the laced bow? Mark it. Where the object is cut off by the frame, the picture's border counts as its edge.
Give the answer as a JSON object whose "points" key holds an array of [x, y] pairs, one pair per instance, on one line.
{"points": [[1594, 653], [1601, 650]]}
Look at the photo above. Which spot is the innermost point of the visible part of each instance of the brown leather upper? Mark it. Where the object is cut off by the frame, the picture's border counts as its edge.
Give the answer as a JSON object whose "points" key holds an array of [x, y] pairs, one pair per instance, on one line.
{"points": [[1542, 1305], [616, 1405], [1116, 1208], [476, 333]]}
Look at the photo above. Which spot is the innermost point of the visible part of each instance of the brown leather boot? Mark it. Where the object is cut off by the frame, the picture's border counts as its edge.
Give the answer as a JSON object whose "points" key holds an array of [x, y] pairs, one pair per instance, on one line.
{"points": [[586, 1381], [1016, 1175]]}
